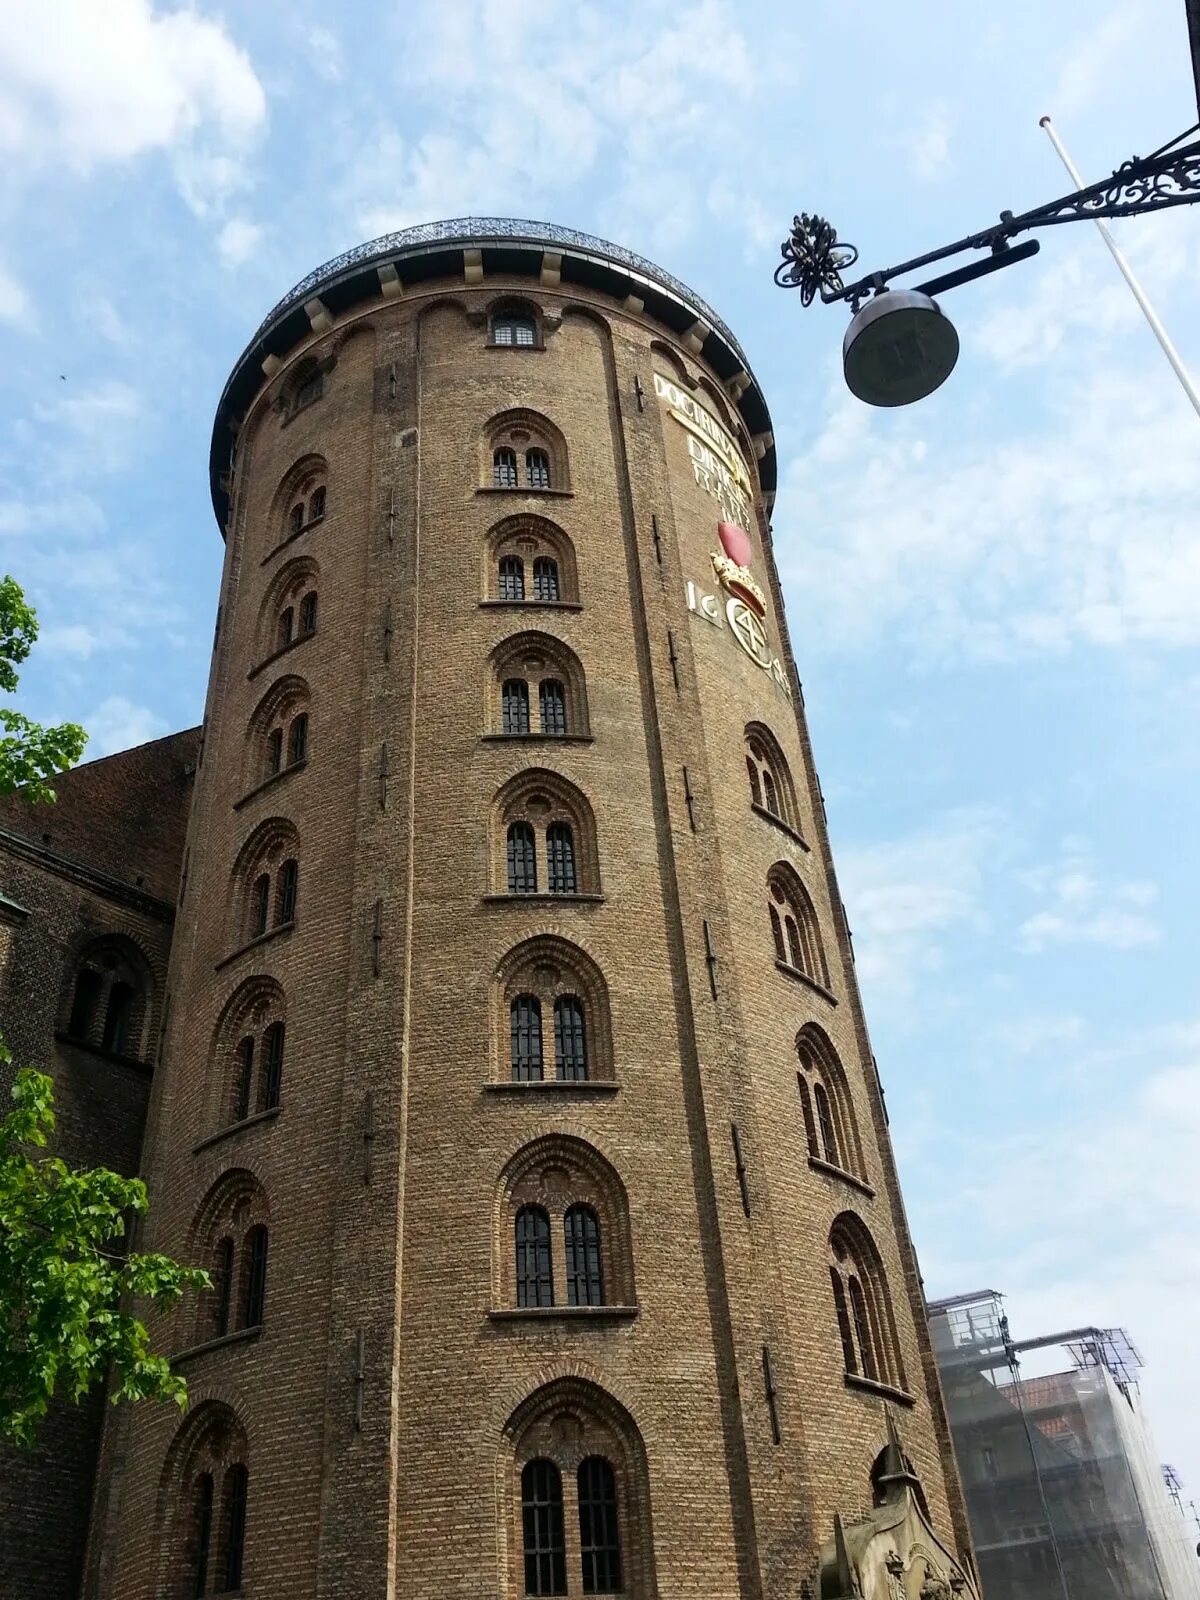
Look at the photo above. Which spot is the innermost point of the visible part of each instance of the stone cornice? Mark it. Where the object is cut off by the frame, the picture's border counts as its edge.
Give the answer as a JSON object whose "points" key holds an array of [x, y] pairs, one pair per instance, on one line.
{"points": [[87, 877]]}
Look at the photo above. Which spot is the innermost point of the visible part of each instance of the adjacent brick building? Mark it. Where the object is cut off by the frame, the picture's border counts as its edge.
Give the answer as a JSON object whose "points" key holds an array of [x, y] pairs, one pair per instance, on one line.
{"points": [[514, 1083]]}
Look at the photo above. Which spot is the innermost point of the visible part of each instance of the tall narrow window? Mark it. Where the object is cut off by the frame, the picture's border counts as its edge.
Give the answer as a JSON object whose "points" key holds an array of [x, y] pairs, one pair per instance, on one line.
{"points": [[825, 1121], [515, 706], [222, 1288], [254, 1288], [843, 1321], [570, 1040], [298, 739], [289, 879], [862, 1328], [560, 859], [777, 936], [203, 1533], [316, 504], [512, 578], [552, 703], [237, 1483], [755, 781], [535, 1278], [504, 468], [274, 751], [273, 1067], [308, 613], [260, 908], [599, 1538], [545, 578], [283, 633], [770, 793], [522, 862], [585, 1279], [118, 1018], [84, 1004], [296, 518], [525, 1039], [542, 1529], [245, 1079], [810, 1126], [537, 469], [795, 948]]}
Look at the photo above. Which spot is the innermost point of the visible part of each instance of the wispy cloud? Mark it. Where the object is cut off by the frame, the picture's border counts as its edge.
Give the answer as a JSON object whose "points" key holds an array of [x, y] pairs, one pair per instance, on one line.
{"points": [[1080, 909], [118, 723]]}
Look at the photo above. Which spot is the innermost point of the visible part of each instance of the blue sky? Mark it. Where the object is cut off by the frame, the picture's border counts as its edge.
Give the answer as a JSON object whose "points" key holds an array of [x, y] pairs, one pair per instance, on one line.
{"points": [[994, 597]]}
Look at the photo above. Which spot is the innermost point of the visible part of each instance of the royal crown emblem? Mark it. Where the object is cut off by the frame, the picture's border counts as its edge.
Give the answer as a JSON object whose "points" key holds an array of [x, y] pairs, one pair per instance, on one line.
{"points": [[732, 566]]}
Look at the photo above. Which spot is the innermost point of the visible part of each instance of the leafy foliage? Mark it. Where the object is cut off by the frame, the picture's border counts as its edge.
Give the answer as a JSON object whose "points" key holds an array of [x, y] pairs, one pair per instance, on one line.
{"points": [[64, 1286], [30, 754]]}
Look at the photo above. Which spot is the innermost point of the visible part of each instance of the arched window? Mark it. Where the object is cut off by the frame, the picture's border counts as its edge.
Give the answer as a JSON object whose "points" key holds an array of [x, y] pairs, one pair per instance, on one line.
{"points": [[285, 897], [272, 1078], [794, 930], [830, 1126], [316, 505], [230, 1232], [599, 1537], [545, 578], [247, 1061], [296, 519], [570, 1040], [254, 1278], [504, 467], [862, 1306], [202, 1519], [283, 634], [277, 735], [522, 863], [261, 907], [525, 1039], [266, 878], [237, 1485], [560, 859], [771, 789], [512, 578], [110, 998], [119, 1017], [288, 612], [274, 752], [298, 739], [537, 468], [202, 1506], [543, 1538], [585, 1276], [515, 707], [552, 705], [308, 614], [307, 509], [535, 1277], [222, 1289], [511, 327], [307, 385], [85, 1003]]}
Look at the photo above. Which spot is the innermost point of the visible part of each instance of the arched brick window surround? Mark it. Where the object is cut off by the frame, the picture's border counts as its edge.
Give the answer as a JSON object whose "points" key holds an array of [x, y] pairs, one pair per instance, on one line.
{"points": [[569, 1420], [255, 1008], [522, 431], [556, 1172], [107, 999], [537, 658], [830, 1125], [542, 798], [287, 592], [264, 854], [234, 1207], [547, 967], [270, 743], [211, 1442], [301, 502], [795, 934], [510, 310], [530, 539], [770, 777], [865, 1321]]}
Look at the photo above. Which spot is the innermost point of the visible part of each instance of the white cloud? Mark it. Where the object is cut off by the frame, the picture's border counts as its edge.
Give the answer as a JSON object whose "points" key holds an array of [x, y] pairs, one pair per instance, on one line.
{"points": [[929, 147], [238, 240], [1094, 63], [68, 639], [325, 52], [1081, 910], [117, 723], [91, 429], [16, 307]]}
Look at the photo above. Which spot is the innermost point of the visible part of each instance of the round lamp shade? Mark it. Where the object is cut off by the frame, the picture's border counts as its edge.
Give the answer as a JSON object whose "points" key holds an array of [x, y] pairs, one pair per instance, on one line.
{"points": [[900, 347]]}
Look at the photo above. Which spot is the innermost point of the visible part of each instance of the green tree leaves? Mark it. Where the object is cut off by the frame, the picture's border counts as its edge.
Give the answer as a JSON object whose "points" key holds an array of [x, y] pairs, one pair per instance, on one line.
{"points": [[30, 754]]}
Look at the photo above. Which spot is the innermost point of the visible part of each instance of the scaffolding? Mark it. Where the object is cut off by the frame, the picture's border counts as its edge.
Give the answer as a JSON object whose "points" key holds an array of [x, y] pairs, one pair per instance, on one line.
{"points": [[1064, 1493]]}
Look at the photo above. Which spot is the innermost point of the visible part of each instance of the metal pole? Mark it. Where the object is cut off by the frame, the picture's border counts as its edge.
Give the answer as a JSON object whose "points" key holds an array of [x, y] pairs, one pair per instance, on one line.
{"points": [[1139, 294], [1193, 17]]}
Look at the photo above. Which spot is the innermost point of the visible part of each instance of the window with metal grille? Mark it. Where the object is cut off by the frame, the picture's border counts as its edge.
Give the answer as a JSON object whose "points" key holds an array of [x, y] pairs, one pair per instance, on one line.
{"points": [[599, 1538], [770, 793], [570, 1039], [283, 633], [285, 904], [245, 1079], [308, 613], [525, 1039], [85, 1003], [537, 469], [316, 504], [825, 1122], [118, 1017], [552, 704], [522, 860], [260, 904], [274, 751], [222, 1287], [237, 1484], [311, 388], [545, 578], [298, 739], [535, 1276], [542, 1529], [272, 1077], [202, 1534], [504, 468], [254, 1287], [514, 706], [511, 329], [512, 578], [862, 1328], [560, 859], [585, 1279]]}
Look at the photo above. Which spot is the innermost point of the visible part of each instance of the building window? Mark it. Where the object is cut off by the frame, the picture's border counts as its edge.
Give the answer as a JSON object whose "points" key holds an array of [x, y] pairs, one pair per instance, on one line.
{"points": [[525, 1039], [585, 1280], [298, 739], [504, 468], [274, 752], [245, 1079], [296, 519], [515, 706], [599, 1541], [794, 930], [261, 906], [308, 614], [249, 1050], [118, 1017], [285, 900], [316, 505], [309, 385], [553, 680], [537, 469], [307, 509], [283, 634], [254, 1277], [535, 1278], [277, 735], [862, 1306], [272, 1079], [237, 1483], [85, 1003], [522, 864], [511, 328], [830, 1126], [202, 1533], [512, 578], [570, 1040], [109, 1000], [545, 579], [552, 704], [771, 787], [222, 1289], [232, 1229], [560, 859], [522, 437], [542, 1526]]}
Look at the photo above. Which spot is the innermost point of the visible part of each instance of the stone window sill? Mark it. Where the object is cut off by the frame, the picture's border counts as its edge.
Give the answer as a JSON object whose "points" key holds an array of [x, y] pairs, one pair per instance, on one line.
{"points": [[105, 1055], [284, 772], [525, 488], [301, 638], [291, 539], [802, 977], [840, 1173], [778, 822], [238, 1336], [532, 605], [882, 1391], [543, 897], [252, 1121], [569, 1086], [253, 944], [535, 736], [525, 349], [563, 1313]]}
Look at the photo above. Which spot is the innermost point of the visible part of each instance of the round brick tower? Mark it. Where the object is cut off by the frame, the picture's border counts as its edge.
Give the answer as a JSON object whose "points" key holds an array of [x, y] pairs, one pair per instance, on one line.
{"points": [[514, 1083]]}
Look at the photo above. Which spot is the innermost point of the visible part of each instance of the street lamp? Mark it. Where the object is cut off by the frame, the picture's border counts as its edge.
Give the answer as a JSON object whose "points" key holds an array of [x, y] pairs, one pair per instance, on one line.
{"points": [[900, 345]]}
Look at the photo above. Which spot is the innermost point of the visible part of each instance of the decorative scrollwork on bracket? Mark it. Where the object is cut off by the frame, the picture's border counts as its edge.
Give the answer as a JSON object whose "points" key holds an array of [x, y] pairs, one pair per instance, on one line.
{"points": [[813, 258], [1135, 187]]}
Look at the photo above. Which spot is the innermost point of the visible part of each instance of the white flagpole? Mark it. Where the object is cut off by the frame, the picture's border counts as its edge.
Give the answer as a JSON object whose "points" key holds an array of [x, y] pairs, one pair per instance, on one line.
{"points": [[1139, 294]]}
